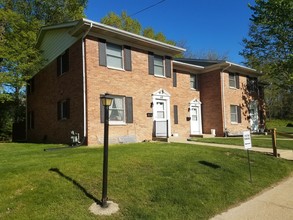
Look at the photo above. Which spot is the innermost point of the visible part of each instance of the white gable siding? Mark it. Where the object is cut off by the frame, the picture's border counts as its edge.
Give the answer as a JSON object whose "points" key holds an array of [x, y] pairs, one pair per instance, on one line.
{"points": [[55, 42]]}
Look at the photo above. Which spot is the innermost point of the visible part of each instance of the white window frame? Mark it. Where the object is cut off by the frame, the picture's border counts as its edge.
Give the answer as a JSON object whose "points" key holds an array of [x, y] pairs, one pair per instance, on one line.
{"points": [[160, 65], [232, 81], [117, 122], [194, 80], [234, 114], [110, 55]]}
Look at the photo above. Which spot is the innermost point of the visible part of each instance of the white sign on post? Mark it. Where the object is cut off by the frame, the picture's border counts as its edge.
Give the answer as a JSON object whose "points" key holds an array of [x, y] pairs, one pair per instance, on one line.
{"points": [[247, 140]]}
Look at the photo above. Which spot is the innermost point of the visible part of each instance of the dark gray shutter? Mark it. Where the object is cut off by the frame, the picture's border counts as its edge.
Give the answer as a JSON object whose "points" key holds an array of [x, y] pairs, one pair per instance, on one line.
{"points": [[174, 78], [239, 114], [237, 81], [58, 110], [59, 65], [175, 114], [67, 108], [102, 53], [28, 120], [65, 61], [127, 58], [168, 66], [129, 109], [151, 63], [102, 111]]}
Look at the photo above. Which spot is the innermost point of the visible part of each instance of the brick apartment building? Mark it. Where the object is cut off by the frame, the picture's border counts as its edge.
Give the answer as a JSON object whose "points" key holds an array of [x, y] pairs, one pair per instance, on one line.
{"points": [[154, 94]]}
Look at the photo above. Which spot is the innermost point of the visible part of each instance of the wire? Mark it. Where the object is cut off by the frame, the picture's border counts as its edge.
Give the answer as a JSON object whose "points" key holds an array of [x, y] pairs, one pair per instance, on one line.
{"points": [[147, 8]]}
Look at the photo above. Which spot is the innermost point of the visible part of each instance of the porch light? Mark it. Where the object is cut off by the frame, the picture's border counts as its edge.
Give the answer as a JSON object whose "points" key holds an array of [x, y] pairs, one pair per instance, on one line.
{"points": [[106, 100]]}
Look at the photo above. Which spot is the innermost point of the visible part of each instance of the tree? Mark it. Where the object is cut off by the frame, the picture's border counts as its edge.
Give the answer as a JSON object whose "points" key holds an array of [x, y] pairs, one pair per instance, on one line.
{"points": [[125, 22], [20, 22], [268, 48]]}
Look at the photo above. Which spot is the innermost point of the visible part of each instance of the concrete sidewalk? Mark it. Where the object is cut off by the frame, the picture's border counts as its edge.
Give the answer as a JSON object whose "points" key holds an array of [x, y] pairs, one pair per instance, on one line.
{"points": [[285, 154], [275, 203]]}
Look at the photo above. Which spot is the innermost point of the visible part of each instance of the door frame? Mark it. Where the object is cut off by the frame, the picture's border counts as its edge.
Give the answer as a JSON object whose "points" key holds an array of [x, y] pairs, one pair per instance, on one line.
{"points": [[162, 95], [195, 103]]}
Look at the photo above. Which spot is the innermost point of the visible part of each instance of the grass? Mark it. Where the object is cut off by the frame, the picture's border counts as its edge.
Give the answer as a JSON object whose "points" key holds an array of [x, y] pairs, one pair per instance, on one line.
{"points": [[147, 180], [257, 141]]}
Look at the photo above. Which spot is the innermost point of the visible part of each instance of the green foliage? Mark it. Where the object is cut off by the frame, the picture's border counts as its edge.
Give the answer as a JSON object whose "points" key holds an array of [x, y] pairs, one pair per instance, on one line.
{"points": [[125, 22], [147, 180], [269, 48], [20, 22]]}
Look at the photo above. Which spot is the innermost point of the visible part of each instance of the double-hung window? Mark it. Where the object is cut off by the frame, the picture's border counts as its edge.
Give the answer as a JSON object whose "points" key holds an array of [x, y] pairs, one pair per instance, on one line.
{"points": [[114, 56], [117, 110], [235, 114], [63, 109], [159, 66], [120, 111], [63, 63], [193, 82], [234, 80]]}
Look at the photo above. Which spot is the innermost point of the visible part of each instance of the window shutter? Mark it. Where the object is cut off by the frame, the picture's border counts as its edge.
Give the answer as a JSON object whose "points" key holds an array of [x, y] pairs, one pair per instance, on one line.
{"points": [[237, 81], [168, 66], [175, 114], [65, 61], [127, 58], [129, 109], [174, 78], [102, 53], [28, 120], [58, 110], [67, 108], [239, 114], [151, 63], [59, 66], [102, 112]]}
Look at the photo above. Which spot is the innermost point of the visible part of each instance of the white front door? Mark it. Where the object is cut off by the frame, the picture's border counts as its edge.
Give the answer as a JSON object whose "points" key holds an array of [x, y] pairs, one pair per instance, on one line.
{"points": [[160, 117], [195, 117], [194, 120], [253, 113]]}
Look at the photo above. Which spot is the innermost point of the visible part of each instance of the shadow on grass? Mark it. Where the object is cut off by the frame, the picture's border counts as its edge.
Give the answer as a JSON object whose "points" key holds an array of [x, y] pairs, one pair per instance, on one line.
{"points": [[56, 170], [212, 165]]}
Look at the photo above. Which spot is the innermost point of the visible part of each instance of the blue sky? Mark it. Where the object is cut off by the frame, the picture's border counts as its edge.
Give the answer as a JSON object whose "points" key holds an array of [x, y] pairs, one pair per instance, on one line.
{"points": [[217, 25]]}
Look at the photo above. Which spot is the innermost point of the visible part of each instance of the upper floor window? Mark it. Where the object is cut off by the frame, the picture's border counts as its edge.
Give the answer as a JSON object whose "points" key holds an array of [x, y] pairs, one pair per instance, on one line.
{"points": [[63, 63], [159, 66], [235, 114], [193, 82], [63, 109], [114, 55], [234, 80]]}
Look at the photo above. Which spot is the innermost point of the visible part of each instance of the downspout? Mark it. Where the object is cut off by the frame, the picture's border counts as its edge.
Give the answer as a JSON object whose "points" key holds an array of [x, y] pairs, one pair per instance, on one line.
{"points": [[223, 96], [84, 83]]}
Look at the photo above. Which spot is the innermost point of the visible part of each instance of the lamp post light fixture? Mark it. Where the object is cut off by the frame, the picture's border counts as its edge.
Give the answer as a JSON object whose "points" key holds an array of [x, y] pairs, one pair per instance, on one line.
{"points": [[106, 101]]}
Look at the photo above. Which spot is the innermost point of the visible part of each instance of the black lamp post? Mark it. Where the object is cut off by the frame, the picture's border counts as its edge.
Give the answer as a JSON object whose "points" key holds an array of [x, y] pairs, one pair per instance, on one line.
{"points": [[106, 101]]}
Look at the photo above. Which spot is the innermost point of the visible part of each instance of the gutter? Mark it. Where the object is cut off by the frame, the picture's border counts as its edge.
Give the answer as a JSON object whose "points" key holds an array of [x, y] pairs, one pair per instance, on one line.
{"points": [[84, 83], [223, 95]]}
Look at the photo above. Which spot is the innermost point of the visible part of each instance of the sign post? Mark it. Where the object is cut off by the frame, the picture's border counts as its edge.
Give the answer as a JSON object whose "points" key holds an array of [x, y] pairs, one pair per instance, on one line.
{"points": [[247, 146]]}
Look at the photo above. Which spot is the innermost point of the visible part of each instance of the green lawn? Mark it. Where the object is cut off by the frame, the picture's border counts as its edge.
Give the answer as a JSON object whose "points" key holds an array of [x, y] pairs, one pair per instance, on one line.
{"points": [[147, 180], [257, 141]]}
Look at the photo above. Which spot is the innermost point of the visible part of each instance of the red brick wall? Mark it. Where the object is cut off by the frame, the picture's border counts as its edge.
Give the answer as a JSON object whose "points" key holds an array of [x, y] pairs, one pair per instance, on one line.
{"points": [[210, 96], [48, 90], [137, 84]]}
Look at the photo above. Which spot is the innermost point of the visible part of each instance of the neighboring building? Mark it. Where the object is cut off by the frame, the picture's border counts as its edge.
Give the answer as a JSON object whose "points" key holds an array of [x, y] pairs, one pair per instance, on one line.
{"points": [[154, 95]]}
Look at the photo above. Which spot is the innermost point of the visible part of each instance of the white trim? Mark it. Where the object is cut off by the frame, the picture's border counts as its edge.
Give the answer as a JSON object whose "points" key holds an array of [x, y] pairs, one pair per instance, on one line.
{"points": [[196, 103], [163, 95]]}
